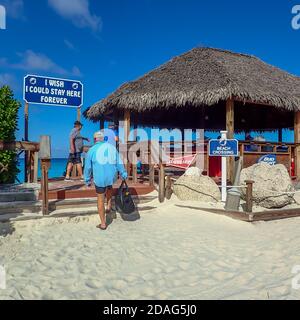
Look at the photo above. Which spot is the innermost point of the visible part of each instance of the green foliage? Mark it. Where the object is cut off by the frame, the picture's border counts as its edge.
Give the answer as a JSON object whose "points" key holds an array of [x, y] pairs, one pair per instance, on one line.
{"points": [[9, 108]]}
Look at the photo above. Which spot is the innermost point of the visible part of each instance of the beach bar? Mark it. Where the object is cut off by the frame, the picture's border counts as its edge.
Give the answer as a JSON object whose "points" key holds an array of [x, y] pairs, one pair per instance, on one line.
{"points": [[214, 90]]}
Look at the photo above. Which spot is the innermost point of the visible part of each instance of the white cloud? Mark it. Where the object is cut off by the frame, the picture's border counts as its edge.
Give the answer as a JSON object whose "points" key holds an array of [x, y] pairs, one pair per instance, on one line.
{"points": [[76, 72], [14, 8], [69, 44], [7, 79], [77, 11], [32, 61]]}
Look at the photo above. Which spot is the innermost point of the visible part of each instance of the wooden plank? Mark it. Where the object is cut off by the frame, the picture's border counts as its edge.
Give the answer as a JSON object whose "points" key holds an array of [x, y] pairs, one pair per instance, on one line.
{"points": [[237, 215], [270, 215], [276, 214], [230, 135], [19, 145], [297, 140]]}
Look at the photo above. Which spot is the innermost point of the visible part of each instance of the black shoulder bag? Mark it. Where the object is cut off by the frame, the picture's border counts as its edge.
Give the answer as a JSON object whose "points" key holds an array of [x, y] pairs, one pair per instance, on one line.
{"points": [[124, 201]]}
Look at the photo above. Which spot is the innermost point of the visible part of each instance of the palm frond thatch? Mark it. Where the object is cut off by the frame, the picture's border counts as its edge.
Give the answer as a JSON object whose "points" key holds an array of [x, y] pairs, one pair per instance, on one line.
{"points": [[204, 77]]}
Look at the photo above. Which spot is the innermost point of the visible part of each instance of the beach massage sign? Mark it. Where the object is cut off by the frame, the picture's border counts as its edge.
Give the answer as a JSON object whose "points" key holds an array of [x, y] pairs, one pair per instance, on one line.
{"points": [[53, 91]]}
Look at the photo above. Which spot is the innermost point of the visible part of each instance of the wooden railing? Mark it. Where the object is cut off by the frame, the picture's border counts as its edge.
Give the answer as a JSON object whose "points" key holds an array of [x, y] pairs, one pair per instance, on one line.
{"points": [[153, 168], [31, 150]]}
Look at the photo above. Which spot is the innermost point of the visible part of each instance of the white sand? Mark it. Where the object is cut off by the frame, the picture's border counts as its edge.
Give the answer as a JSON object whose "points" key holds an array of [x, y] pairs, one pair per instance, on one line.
{"points": [[170, 253]]}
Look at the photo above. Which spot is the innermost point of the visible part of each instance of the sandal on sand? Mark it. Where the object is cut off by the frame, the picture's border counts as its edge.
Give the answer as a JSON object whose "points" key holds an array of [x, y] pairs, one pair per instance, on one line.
{"points": [[101, 228]]}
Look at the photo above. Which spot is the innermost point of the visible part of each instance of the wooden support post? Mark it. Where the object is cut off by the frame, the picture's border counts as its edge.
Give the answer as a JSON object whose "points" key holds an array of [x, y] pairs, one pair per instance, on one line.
{"points": [[26, 137], [134, 173], [45, 156], [230, 135], [116, 124], [183, 141], [30, 166], [127, 125], [168, 187], [280, 135], [45, 165], [162, 179], [297, 140], [134, 165], [79, 114], [249, 196], [102, 123], [151, 166], [135, 134], [126, 135], [36, 166]]}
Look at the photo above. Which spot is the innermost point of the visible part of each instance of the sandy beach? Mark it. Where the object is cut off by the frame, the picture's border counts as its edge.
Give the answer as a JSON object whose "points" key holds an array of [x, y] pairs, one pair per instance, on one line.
{"points": [[171, 252]]}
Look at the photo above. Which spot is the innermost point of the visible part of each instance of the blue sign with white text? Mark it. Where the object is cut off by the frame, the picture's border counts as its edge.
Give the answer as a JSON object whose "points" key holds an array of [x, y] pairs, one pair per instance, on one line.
{"points": [[53, 91], [223, 148], [271, 159]]}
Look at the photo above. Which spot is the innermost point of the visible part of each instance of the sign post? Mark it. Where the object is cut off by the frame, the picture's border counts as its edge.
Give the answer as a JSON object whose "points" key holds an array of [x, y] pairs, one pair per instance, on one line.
{"points": [[26, 138], [50, 91], [224, 148], [224, 169]]}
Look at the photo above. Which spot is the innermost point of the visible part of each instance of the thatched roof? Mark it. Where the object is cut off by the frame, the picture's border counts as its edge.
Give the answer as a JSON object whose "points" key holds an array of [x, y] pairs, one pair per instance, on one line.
{"points": [[204, 77]]}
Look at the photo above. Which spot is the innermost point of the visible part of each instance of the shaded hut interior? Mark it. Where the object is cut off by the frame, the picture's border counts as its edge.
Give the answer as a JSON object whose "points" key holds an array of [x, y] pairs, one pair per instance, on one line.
{"points": [[213, 118]]}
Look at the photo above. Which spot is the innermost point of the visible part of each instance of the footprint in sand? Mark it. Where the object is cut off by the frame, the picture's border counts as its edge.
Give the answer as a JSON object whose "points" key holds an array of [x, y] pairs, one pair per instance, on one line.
{"points": [[148, 292], [184, 266], [148, 277], [94, 284], [119, 284], [221, 275], [157, 270]]}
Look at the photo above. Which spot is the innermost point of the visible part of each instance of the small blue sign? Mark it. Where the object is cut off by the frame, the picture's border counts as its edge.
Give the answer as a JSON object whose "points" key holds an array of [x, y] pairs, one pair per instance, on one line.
{"points": [[269, 158], [223, 148], [53, 91]]}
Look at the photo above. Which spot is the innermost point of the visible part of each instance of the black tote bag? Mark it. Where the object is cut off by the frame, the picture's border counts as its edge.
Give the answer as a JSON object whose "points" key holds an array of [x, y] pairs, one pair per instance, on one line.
{"points": [[124, 201]]}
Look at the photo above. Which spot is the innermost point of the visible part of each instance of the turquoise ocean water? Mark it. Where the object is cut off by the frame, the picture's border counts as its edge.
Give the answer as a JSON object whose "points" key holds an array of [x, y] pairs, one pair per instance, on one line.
{"points": [[58, 167]]}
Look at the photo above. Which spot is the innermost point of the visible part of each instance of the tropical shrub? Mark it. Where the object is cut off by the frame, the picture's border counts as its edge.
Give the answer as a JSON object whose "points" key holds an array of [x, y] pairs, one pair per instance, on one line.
{"points": [[9, 108]]}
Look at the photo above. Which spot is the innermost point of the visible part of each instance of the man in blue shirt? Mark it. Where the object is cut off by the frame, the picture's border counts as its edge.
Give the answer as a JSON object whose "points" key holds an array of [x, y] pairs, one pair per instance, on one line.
{"points": [[103, 162]]}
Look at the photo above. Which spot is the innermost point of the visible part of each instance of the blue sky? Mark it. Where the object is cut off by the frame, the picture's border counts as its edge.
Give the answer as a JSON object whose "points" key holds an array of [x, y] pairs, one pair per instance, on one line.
{"points": [[106, 43]]}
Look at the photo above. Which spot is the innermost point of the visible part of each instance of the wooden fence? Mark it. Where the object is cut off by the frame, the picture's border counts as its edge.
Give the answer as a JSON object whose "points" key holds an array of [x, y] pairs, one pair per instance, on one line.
{"points": [[31, 154]]}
